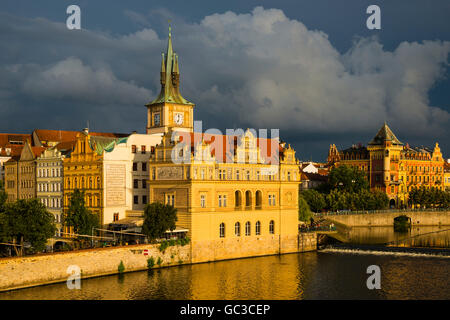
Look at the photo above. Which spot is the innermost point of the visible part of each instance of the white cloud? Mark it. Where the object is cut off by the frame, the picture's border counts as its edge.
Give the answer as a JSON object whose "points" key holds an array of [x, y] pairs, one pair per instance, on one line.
{"points": [[70, 78]]}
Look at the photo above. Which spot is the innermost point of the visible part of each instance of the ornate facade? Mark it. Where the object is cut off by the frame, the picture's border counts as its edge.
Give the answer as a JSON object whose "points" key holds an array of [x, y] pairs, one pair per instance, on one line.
{"points": [[237, 195], [392, 166]]}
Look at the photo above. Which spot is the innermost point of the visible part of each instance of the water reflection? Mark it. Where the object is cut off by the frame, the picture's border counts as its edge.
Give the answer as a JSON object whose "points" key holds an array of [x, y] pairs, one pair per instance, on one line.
{"points": [[314, 275], [427, 236]]}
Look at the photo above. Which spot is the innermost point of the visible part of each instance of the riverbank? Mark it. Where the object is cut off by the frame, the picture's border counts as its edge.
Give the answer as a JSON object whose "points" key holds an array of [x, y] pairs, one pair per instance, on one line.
{"points": [[30, 271]]}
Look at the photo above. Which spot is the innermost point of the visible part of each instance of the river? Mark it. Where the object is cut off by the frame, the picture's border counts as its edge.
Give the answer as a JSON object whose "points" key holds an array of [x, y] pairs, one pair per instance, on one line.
{"points": [[327, 274]]}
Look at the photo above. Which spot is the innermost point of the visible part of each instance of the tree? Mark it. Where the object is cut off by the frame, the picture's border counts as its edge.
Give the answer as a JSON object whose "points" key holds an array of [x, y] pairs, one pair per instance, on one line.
{"points": [[158, 218], [315, 200], [304, 212], [27, 221], [3, 198], [78, 216], [347, 178]]}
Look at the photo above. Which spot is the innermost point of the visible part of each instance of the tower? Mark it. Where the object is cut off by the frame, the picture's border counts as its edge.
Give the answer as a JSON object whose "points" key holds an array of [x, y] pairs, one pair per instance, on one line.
{"points": [[385, 151], [169, 110]]}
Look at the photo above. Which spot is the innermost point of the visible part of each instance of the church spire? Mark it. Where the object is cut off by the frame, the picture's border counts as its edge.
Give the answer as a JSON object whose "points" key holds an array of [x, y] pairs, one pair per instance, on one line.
{"points": [[170, 77]]}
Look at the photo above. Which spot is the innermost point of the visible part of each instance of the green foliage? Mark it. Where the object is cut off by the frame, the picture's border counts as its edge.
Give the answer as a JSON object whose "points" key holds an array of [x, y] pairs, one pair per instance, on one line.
{"points": [[315, 200], [150, 262], [121, 267], [78, 216], [159, 262], [347, 179], [429, 197], [163, 246], [3, 198], [158, 218], [304, 213], [26, 221], [180, 261], [183, 241]]}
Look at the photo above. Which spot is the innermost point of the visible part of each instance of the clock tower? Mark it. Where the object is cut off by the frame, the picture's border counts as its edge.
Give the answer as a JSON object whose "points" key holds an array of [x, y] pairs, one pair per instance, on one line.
{"points": [[169, 110]]}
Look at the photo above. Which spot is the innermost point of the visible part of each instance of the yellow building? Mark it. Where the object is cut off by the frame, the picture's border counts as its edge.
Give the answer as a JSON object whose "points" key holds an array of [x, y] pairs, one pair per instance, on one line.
{"points": [[236, 194], [447, 175], [83, 170], [392, 166]]}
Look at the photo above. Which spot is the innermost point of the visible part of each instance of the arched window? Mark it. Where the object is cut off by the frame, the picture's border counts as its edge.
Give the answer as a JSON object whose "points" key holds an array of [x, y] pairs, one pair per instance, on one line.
{"points": [[237, 229], [222, 230], [248, 199], [258, 199], [258, 228], [98, 183], [271, 227], [237, 199], [247, 228], [90, 183]]}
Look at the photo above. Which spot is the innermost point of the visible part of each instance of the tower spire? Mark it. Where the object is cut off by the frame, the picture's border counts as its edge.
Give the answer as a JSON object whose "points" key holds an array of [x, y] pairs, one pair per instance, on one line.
{"points": [[170, 77]]}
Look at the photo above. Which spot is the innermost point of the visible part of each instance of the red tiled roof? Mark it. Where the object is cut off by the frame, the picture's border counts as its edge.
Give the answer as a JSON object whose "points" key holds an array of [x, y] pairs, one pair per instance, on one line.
{"points": [[15, 151], [65, 135], [228, 144], [313, 177], [65, 145], [37, 151], [7, 138]]}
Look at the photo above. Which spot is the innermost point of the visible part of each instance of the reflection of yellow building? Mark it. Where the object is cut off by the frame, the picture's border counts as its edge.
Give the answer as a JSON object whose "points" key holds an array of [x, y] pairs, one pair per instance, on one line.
{"points": [[229, 190], [393, 167]]}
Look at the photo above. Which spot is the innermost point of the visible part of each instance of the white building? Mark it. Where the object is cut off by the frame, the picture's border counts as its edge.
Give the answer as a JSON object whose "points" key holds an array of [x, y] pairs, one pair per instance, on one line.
{"points": [[309, 168], [126, 176]]}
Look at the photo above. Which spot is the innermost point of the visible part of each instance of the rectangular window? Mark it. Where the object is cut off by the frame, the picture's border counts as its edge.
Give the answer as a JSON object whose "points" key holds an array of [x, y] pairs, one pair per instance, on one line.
{"points": [[143, 149], [144, 184], [144, 199], [202, 201], [135, 183], [144, 166], [220, 200], [133, 148], [116, 217], [134, 166], [170, 199], [136, 200]]}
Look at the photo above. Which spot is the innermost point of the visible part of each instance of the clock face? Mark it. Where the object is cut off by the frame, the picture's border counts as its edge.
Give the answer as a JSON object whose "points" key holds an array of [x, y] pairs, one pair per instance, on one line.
{"points": [[156, 119], [178, 118]]}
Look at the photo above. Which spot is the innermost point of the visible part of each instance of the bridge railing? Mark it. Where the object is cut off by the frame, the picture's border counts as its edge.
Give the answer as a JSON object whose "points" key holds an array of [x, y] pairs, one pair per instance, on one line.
{"points": [[316, 228], [350, 212]]}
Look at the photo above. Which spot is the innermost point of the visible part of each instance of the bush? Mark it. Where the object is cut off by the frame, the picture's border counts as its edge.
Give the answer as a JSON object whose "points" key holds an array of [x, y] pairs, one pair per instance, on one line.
{"points": [[150, 262], [159, 262], [121, 267]]}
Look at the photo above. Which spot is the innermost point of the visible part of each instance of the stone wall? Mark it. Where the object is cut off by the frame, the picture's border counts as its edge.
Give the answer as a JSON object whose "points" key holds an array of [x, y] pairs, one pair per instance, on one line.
{"points": [[307, 242], [31, 271], [22, 272], [418, 218]]}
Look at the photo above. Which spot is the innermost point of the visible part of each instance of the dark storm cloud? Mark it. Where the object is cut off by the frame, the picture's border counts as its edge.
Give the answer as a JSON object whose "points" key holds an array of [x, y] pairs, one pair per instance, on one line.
{"points": [[259, 69]]}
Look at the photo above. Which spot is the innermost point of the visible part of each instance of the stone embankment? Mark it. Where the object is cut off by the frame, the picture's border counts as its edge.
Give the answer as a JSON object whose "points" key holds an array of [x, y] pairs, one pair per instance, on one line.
{"points": [[22, 272], [29, 271]]}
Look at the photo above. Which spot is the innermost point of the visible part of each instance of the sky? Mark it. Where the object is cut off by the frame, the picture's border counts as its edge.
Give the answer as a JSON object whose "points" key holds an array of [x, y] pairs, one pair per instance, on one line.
{"points": [[311, 69]]}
